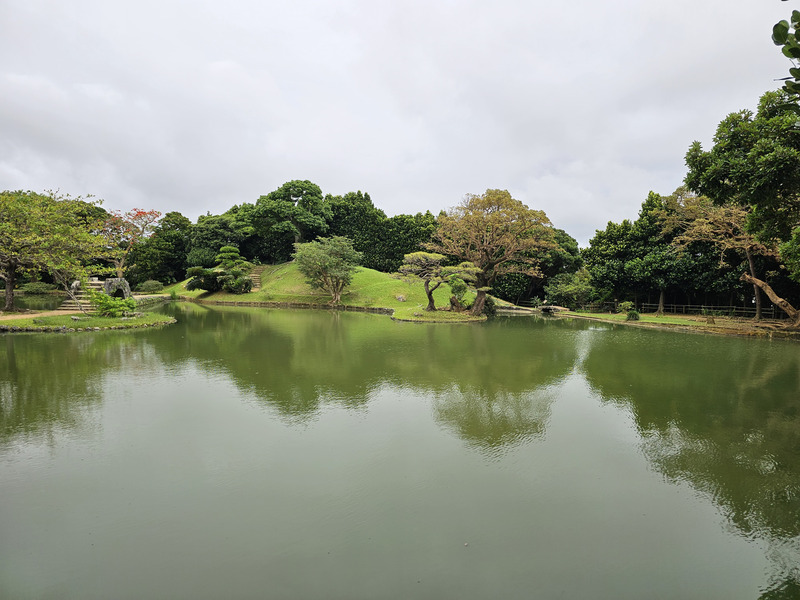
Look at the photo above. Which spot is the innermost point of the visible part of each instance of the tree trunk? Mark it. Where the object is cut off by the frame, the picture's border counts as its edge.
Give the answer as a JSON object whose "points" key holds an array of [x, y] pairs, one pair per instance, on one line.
{"points": [[480, 300], [791, 311], [756, 291], [10, 279], [429, 292], [660, 311]]}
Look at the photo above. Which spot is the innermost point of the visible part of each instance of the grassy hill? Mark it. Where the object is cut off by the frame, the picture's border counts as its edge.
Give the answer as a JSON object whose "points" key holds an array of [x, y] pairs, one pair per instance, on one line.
{"points": [[373, 289]]}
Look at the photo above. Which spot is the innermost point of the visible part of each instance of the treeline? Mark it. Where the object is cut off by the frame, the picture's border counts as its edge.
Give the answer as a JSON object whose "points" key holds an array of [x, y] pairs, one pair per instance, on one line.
{"points": [[265, 232]]}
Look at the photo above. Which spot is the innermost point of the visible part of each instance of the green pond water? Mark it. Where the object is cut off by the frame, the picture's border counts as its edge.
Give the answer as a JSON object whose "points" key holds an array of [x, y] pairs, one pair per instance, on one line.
{"points": [[253, 453]]}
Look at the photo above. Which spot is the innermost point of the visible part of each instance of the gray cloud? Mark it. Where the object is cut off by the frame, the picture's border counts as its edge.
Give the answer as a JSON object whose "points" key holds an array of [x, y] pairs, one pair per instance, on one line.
{"points": [[577, 108]]}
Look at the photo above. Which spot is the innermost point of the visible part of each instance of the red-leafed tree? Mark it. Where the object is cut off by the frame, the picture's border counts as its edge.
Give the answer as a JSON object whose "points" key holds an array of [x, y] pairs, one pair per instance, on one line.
{"points": [[122, 231]]}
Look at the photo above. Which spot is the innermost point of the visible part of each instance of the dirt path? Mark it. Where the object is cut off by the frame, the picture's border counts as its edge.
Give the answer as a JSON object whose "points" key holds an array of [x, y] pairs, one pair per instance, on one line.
{"points": [[33, 314]]}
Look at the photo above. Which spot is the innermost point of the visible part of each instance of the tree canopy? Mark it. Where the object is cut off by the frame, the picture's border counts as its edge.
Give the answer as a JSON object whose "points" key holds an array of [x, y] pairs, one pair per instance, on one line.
{"points": [[329, 264], [496, 233], [44, 232]]}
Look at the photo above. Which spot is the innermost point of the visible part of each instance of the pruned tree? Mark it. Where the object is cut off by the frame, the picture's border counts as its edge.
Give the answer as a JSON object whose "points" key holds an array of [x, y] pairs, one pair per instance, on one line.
{"points": [[496, 233], [329, 264], [430, 268]]}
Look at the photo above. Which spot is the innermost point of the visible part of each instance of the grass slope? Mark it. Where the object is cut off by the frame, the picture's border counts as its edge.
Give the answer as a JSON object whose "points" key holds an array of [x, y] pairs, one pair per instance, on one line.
{"points": [[371, 289]]}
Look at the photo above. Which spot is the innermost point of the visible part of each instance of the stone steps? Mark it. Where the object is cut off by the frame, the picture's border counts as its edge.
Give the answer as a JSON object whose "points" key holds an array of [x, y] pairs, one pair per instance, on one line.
{"points": [[81, 301], [255, 275]]}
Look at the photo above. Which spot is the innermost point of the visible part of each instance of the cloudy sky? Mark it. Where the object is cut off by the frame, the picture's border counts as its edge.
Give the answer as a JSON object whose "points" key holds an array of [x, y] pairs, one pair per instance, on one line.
{"points": [[578, 108]]}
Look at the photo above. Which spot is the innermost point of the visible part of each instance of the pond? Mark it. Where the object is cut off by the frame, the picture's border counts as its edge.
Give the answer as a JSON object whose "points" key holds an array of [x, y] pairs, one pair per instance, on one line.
{"points": [[254, 453]]}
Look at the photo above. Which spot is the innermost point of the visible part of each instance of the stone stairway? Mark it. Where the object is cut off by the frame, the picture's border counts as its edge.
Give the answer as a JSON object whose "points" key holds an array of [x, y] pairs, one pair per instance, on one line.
{"points": [[255, 275], [82, 297]]}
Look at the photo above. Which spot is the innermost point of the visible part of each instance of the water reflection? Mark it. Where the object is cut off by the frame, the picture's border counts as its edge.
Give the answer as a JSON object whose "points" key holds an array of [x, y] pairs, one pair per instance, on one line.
{"points": [[490, 386], [723, 415], [53, 381]]}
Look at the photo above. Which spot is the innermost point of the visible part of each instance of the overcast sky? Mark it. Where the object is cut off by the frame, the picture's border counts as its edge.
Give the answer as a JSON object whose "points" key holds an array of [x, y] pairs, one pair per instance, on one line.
{"points": [[577, 108]]}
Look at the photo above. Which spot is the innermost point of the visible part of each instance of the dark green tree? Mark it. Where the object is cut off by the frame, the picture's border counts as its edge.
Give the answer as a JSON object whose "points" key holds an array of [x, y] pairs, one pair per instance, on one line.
{"points": [[163, 255], [294, 213], [398, 236], [354, 216], [755, 162]]}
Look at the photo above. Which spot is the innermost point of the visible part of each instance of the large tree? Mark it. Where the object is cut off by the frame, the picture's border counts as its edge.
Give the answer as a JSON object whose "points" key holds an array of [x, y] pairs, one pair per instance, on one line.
{"points": [[43, 232], [294, 213], [496, 233], [755, 162]]}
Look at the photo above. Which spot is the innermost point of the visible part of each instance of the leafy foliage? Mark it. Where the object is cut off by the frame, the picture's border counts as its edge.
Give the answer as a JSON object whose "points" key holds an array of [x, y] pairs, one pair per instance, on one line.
{"points": [[163, 255], [44, 232], [292, 214], [230, 274], [121, 233], [430, 268], [37, 287], [151, 286], [328, 263], [110, 306], [496, 233], [572, 290]]}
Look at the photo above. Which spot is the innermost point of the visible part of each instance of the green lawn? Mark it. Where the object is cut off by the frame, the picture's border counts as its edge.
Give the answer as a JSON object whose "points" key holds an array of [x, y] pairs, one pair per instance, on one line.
{"points": [[370, 289], [84, 322]]}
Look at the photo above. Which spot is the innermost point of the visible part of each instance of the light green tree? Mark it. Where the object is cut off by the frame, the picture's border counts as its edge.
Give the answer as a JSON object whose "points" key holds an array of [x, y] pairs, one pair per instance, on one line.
{"points": [[45, 232], [328, 264]]}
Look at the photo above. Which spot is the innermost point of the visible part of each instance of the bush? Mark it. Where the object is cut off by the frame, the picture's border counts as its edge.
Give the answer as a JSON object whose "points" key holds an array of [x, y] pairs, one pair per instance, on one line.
{"points": [[238, 285], [626, 307], [37, 287], [109, 306], [633, 315], [151, 286]]}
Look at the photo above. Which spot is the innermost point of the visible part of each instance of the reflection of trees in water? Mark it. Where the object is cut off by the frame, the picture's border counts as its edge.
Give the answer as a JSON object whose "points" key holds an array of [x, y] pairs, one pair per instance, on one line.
{"points": [[52, 381], [484, 378], [494, 420], [723, 415]]}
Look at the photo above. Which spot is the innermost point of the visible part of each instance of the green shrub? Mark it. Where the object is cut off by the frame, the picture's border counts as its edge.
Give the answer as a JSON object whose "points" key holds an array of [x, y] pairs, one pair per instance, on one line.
{"points": [[109, 306], [151, 286], [238, 285], [626, 307], [37, 287], [633, 315]]}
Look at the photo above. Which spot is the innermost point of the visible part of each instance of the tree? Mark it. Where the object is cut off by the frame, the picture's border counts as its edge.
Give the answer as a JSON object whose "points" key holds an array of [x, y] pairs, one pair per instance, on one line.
{"points": [[784, 34], [572, 290], [565, 257], [354, 216], [724, 226], [497, 234], [122, 232], [230, 274], [292, 214], [429, 267], [755, 163], [328, 263], [43, 232], [214, 231], [163, 255], [398, 236]]}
